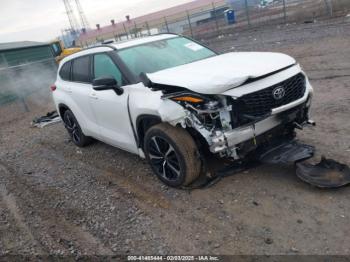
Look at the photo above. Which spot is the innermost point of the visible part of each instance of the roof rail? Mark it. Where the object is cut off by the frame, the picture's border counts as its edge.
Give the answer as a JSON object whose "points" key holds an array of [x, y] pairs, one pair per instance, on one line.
{"points": [[92, 47], [166, 33], [107, 45]]}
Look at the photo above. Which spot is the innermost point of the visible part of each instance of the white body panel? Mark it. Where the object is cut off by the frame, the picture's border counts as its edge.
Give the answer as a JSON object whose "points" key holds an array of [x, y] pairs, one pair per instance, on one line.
{"points": [[144, 101], [77, 96], [112, 117], [263, 83], [220, 73]]}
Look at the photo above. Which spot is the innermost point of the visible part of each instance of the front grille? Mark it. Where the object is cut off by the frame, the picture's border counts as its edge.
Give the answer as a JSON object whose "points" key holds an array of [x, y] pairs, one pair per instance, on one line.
{"points": [[262, 102]]}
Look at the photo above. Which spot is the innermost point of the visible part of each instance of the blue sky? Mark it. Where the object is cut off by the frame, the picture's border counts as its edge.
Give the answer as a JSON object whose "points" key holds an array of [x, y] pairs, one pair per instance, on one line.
{"points": [[42, 20]]}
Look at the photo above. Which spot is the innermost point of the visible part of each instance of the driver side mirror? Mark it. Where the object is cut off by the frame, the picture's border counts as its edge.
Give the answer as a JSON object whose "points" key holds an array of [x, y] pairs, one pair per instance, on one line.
{"points": [[107, 83]]}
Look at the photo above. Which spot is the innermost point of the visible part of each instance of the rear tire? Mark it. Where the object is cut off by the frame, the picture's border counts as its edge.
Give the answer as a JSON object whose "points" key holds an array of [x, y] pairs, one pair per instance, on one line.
{"points": [[172, 154], [74, 130]]}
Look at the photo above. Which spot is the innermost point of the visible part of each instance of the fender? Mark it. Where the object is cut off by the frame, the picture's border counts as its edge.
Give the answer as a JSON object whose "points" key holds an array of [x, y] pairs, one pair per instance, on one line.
{"points": [[144, 101]]}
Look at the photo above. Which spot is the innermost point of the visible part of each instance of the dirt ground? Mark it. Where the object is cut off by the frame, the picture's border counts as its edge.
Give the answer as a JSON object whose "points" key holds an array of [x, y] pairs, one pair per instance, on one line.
{"points": [[58, 199]]}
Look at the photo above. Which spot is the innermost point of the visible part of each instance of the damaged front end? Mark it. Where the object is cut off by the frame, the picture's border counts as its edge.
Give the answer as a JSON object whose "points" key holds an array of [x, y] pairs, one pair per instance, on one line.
{"points": [[210, 116], [256, 124], [234, 126], [231, 133]]}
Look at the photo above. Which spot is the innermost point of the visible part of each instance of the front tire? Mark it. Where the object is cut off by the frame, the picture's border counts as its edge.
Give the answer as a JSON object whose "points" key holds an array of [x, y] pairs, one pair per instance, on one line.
{"points": [[74, 130], [172, 154]]}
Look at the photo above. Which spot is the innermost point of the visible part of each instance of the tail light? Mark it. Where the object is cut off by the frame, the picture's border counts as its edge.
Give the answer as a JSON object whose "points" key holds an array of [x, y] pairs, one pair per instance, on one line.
{"points": [[53, 87]]}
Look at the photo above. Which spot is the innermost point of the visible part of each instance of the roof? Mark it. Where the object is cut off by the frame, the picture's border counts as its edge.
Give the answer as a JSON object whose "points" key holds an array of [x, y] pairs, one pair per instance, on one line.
{"points": [[20, 45], [143, 40], [151, 17], [119, 45]]}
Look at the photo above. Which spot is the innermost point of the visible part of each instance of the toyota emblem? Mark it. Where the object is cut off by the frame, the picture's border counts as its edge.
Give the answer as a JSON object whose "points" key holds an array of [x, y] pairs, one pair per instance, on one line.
{"points": [[278, 93]]}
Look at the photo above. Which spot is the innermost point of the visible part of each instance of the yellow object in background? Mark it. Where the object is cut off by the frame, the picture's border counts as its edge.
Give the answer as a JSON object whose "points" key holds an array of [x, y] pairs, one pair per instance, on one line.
{"points": [[61, 52]]}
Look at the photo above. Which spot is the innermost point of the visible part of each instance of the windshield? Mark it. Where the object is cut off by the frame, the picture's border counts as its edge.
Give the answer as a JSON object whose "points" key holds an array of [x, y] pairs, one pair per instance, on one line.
{"points": [[154, 56]]}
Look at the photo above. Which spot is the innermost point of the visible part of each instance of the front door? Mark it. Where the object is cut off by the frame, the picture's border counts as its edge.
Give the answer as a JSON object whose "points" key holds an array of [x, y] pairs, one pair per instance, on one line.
{"points": [[111, 110]]}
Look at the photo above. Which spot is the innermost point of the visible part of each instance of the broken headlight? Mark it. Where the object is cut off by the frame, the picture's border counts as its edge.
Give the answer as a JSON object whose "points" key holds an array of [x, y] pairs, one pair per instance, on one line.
{"points": [[197, 102], [210, 110]]}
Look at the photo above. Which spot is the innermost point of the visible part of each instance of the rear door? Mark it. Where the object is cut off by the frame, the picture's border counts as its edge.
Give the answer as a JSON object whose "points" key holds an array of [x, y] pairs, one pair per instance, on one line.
{"points": [[80, 89], [111, 110]]}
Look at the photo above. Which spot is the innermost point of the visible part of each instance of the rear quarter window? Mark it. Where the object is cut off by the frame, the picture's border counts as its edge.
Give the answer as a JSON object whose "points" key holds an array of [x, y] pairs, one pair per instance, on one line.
{"points": [[65, 71]]}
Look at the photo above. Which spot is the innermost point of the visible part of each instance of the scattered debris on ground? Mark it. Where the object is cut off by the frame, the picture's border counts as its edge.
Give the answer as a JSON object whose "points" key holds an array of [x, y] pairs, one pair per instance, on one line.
{"points": [[49, 119], [326, 174]]}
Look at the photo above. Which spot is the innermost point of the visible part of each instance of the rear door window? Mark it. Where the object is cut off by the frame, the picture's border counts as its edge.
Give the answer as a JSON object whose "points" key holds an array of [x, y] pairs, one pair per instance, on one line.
{"points": [[81, 69], [65, 71]]}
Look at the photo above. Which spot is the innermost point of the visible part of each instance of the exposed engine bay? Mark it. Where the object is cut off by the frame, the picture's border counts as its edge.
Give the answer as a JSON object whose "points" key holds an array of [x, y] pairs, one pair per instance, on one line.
{"points": [[229, 133]]}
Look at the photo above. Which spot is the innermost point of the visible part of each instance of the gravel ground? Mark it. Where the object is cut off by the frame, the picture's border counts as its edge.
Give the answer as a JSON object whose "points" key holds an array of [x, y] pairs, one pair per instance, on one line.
{"points": [[58, 199]]}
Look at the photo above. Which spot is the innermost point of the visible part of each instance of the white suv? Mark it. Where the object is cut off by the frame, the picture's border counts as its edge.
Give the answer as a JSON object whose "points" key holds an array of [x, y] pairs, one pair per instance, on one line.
{"points": [[170, 100]]}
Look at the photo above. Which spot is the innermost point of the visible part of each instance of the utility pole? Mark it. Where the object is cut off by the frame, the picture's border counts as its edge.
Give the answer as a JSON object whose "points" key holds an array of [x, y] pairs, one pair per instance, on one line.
{"points": [[284, 11], [247, 11], [329, 6], [148, 30], [71, 17], [84, 22], [126, 32], [189, 23], [166, 24], [215, 17]]}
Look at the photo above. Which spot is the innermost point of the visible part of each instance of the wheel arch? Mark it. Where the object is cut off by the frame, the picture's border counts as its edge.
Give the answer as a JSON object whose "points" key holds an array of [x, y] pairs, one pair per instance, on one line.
{"points": [[146, 121], [62, 108], [143, 123]]}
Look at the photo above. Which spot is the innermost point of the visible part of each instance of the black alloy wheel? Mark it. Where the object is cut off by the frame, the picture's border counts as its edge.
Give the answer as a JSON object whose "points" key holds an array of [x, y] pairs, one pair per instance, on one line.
{"points": [[74, 130], [164, 159], [172, 154]]}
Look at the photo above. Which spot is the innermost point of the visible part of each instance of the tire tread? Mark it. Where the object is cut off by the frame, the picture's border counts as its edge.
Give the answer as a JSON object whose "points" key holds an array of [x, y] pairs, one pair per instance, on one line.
{"points": [[187, 147]]}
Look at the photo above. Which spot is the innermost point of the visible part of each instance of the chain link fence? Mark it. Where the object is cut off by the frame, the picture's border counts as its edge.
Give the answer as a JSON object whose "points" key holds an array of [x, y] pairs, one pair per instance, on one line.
{"points": [[212, 19]]}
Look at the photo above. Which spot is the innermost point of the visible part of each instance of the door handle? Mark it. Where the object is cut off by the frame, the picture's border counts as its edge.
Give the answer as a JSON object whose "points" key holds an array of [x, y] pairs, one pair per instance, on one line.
{"points": [[94, 96], [69, 90]]}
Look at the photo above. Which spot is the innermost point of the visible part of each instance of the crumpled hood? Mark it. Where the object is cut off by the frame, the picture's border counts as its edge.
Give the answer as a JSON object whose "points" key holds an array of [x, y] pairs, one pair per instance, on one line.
{"points": [[218, 74]]}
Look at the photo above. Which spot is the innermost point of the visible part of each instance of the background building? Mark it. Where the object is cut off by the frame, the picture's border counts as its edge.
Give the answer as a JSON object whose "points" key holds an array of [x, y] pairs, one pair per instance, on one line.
{"points": [[16, 53], [25, 67]]}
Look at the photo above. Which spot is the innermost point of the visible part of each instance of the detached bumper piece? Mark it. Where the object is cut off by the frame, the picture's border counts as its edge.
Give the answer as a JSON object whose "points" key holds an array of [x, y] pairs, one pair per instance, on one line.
{"points": [[287, 152], [326, 174]]}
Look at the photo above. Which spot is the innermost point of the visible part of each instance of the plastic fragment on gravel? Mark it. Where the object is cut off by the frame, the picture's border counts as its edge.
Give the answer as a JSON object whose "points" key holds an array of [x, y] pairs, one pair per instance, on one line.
{"points": [[326, 174], [49, 119]]}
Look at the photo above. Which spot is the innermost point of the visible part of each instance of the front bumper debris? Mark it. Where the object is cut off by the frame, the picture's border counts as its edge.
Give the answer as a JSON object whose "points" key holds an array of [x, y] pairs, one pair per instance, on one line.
{"points": [[326, 174], [287, 152]]}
